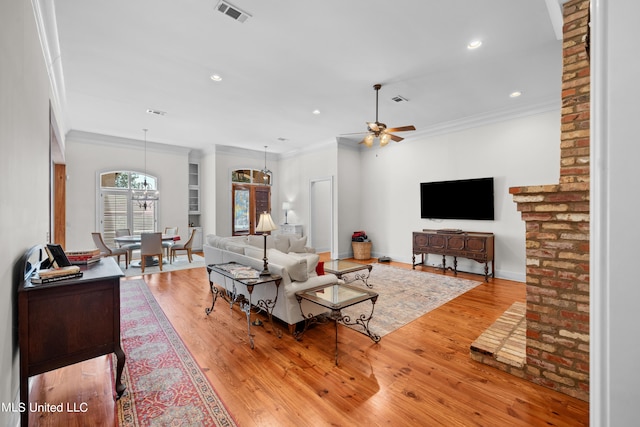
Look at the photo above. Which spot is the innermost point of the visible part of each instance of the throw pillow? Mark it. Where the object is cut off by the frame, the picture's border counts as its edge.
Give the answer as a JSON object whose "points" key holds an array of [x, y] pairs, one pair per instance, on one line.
{"points": [[296, 267], [320, 268], [297, 245], [258, 241], [312, 261], [281, 243]]}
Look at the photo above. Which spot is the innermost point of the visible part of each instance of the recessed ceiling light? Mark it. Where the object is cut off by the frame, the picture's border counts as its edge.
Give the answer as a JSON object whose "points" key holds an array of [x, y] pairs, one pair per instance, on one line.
{"points": [[515, 94], [316, 111], [216, 77], [474, 44]]}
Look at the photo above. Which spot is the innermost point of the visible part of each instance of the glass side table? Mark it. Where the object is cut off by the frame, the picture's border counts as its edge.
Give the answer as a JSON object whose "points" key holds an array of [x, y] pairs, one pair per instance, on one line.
{"points": [[335, 298], [340, 268]]}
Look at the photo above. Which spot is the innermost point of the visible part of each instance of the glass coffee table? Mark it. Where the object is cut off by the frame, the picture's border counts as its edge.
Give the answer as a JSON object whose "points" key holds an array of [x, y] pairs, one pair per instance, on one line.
{"points": [[340, 268], [335, 298]]}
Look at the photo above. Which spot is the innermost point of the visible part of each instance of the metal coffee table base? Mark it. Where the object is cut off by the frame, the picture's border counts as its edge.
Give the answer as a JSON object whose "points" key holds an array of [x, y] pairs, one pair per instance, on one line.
{"points": [[337, 316]]}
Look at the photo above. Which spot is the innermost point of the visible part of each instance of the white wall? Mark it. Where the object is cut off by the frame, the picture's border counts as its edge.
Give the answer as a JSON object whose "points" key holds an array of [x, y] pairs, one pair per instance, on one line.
{"points": [[89, 154], [614, 297], [24, 139], [208, 205], [352, 215], [296, 172], [516, 152], [321, 218]]}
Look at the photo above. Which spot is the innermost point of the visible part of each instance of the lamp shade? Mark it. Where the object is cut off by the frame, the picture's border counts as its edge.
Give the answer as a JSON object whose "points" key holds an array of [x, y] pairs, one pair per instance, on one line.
{"points": [[286, 206], [265, 223]]}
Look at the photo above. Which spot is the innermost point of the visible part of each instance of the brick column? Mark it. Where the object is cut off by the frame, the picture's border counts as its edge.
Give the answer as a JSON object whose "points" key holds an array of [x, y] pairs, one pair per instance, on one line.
{"points": [[557, 234]]}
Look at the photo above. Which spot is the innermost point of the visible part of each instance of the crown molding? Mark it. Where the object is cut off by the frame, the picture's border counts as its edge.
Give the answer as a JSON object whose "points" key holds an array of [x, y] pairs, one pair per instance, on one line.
{"points": [[486, 119], [116, 141], [45, 18]]}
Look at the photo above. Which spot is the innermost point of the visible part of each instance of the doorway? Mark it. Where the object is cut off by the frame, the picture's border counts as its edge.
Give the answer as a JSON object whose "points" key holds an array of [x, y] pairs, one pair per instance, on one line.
{"points": [[321, 228]]}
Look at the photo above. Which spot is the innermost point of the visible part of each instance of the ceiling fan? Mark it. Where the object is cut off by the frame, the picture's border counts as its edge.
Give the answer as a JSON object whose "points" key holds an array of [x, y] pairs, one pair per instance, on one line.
{"points": [[380, 130]]}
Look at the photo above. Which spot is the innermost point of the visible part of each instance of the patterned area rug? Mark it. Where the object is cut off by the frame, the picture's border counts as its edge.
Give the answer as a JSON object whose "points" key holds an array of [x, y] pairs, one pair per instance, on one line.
{"points": [[180, 263], [165, 386], [404, 295]]}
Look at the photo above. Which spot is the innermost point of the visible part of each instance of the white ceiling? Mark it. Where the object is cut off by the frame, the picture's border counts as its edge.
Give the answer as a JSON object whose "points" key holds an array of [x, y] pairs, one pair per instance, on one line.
{"points": [[122, 57]]}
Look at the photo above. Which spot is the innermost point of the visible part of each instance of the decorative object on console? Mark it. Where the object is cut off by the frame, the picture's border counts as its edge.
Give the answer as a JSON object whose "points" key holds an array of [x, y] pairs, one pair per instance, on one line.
{"points": [[380, 131], [285, 207], [265, 225], [146, 195]]}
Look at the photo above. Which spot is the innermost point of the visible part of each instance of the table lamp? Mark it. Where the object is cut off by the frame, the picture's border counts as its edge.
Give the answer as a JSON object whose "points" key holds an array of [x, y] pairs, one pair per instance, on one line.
{"points": [[265, 224], [285, 207]]}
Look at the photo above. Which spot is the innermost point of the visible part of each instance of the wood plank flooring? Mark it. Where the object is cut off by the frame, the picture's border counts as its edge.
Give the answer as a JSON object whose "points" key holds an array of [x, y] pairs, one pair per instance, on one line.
{"points": [[419, 375]]}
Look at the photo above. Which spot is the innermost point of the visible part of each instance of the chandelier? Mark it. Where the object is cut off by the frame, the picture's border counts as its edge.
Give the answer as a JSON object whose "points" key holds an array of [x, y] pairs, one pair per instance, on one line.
{"points": [[265, 172], [145, 196]]}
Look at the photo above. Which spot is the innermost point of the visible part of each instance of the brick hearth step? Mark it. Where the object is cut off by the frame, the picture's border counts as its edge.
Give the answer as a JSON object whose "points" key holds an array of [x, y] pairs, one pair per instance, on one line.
{"points": [[504, 341]]}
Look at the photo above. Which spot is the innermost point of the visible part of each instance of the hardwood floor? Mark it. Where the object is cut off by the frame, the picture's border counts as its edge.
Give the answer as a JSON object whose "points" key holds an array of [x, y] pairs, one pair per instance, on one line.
{"points": [[421, 374]]}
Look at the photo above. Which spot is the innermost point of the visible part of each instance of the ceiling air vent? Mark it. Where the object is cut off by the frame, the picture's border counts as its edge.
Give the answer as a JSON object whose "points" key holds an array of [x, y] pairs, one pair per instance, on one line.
{"points": [[232, 11], [399, 98]]}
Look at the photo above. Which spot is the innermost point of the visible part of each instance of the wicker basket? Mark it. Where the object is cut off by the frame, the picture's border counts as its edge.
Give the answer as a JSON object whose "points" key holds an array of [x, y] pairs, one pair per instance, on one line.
{"points": [[361, 250]]}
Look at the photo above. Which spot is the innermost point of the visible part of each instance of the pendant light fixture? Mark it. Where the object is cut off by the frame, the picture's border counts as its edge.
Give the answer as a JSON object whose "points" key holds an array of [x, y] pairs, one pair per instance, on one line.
{"points": [[266, 173], [145, 196]]}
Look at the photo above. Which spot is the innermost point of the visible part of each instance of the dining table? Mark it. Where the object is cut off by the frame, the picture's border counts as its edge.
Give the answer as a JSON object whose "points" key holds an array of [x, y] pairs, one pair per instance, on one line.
{"points": [[137, 238]]}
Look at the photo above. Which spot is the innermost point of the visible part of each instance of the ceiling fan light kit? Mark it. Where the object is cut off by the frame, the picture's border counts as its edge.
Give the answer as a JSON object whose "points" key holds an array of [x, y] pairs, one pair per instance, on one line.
{"points": [[379, 130]]}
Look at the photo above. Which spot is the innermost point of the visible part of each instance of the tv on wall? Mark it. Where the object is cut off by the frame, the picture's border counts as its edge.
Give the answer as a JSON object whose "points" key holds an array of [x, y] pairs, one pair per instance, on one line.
{"points": [[459, 199]]}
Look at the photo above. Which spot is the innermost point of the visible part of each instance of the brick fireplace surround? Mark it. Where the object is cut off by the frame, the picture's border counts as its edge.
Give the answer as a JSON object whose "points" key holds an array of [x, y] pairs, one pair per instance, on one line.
{"points": [[555, 352]]}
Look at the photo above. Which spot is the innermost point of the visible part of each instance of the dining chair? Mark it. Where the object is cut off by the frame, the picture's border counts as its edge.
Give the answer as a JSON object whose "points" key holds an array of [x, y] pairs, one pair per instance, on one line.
{"points": [[183, 247], [150, 246], [106, 251], [121, 232], [168, 244]]}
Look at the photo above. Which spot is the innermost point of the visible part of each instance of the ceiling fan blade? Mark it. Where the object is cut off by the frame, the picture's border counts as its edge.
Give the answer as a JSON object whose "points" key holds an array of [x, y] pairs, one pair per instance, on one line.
{"points": [[373, 126], [402, 129], [395, 138]]}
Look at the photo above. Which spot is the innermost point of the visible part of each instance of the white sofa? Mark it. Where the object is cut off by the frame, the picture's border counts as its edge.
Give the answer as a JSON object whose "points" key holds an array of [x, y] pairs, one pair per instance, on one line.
{"points": [[287, 256]]}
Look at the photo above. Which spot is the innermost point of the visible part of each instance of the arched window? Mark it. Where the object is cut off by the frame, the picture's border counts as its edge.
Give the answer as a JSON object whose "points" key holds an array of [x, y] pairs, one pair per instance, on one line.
{"points": [[116, 208]]}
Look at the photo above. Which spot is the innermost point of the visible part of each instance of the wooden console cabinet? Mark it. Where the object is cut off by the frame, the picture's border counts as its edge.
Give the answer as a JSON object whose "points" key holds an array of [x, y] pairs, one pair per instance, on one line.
{"points": [[65, 322], [471, 245]]}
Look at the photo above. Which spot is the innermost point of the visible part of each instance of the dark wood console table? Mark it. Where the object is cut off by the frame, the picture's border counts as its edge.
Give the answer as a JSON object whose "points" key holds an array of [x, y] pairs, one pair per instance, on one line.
{"points": [[68, 321], [472, 245]]}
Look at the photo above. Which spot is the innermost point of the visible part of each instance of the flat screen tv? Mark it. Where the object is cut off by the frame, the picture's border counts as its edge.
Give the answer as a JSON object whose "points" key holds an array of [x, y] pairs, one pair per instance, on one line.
{"points": [[459, 199]]}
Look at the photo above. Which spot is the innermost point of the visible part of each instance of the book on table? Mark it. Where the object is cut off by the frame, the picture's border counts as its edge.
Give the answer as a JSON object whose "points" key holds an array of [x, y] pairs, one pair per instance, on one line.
{"points": [[55, 274], [83, 257]]}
